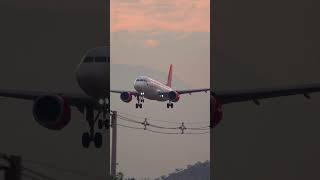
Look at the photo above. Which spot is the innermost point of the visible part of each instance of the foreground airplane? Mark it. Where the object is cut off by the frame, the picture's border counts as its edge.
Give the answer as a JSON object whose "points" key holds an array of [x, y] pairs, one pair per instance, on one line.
{"points": [[151, 89], [52, 109]]}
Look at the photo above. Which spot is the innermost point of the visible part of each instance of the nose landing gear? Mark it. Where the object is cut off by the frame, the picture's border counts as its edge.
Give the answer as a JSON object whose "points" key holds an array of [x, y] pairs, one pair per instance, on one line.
{"points": [[97, 138], [170, 105], [140, 100]]}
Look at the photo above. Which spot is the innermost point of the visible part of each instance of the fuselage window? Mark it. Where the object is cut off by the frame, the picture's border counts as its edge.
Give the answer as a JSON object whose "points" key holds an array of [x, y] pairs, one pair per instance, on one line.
{"points": [[100, 59], [88, 59]]}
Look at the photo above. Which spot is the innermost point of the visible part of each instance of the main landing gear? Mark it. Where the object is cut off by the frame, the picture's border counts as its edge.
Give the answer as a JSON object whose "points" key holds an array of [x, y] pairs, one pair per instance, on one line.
{"points": [[140, 100], [97, 138], [170, 105]]}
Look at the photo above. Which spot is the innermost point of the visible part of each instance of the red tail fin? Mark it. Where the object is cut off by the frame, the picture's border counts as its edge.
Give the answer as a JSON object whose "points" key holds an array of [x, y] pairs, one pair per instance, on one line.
{"points": [[170, 77]]}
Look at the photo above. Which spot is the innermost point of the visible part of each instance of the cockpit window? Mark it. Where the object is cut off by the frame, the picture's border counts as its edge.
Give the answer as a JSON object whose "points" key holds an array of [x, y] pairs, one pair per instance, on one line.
{"points": [[100, 59], [88, 59], [142, 80]]}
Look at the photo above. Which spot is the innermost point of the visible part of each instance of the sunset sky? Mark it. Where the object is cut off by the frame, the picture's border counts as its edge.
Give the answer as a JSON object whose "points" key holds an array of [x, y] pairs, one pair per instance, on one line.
{"points": [[146, 37]]}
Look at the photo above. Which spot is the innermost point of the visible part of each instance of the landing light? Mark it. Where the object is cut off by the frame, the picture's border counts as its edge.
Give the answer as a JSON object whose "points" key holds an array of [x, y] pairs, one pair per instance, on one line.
{"points": [[101, 101]]}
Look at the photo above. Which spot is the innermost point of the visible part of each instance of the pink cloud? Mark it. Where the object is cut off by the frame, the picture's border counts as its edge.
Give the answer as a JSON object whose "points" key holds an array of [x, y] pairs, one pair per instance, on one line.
{"points": [[151, 43], [160, 15]]}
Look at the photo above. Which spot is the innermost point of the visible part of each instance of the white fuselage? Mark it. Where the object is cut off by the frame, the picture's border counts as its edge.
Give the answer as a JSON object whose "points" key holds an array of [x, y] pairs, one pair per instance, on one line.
{"points": [[151, 89], [92, 73]]}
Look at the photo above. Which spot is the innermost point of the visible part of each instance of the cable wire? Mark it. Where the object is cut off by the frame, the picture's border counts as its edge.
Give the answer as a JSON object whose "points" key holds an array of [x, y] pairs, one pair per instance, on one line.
{"points": [[61, 169], [30, 176], [38, 174], [161, 127], [160, 132], [151, 119], [130, 127]]}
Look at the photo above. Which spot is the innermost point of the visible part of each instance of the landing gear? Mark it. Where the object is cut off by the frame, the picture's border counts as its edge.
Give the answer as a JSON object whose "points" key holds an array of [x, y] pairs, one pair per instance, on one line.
{"points": [[86, 140], [139, 105], [170, 105], [87, 137], [140, 100], [98, 140], [105, 122]]}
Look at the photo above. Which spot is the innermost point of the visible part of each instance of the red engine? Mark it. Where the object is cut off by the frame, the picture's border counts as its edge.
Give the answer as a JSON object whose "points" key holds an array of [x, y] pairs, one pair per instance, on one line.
{"points": [[216, 112], [126, 97], [174, 96], [52, 112]]}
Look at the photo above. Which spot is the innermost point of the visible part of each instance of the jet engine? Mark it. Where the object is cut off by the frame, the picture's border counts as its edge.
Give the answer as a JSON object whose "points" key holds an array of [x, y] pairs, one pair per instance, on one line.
{"points": [[126, 97], [216, 112], [173, 96], [52, 112]]}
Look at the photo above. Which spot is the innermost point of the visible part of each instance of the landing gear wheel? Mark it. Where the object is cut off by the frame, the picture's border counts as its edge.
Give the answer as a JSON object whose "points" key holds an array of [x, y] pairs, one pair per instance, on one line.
{"points": [[107, 124], [168, 105], [137, 105], [86, 140], [140, 105], [171, 105], [100, 124], [98, 140]]}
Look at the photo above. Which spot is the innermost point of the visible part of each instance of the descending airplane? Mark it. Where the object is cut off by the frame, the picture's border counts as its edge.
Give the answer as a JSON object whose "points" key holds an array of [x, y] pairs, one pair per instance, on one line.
{"points": [[151, 89], [52, 109]]}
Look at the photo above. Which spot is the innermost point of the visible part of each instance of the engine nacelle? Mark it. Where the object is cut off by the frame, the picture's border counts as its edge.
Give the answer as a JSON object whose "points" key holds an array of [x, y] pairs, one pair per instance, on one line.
{"points": [[216, 112], [126, 97], [173, 96], [52, 112]]}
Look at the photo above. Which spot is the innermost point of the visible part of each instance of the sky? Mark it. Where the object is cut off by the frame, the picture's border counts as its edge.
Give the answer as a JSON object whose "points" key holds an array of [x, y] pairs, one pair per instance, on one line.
{"points": [[146, 37], [253, 49]]}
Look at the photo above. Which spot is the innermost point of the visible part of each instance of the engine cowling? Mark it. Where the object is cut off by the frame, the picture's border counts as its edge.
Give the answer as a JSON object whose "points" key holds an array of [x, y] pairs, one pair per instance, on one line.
{"points": [[52, 112], [126, 97], [173, 96], [216, 112]]}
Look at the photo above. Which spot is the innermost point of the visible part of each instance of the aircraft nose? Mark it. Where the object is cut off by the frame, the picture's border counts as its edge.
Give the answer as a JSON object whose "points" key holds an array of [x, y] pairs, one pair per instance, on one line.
{"points": [[138, 85]]}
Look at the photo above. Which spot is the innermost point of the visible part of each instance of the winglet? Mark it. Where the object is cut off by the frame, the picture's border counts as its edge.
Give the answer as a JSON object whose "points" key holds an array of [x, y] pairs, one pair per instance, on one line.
{"points": [[169, 82]]}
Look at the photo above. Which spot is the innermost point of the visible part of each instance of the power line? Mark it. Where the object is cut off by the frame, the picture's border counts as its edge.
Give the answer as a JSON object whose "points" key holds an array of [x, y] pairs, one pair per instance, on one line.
{"points": [[152, 125], [170, 122], [145, 123], [61, 169], [30, 176], [130, 127], [38, 174], [160, 132]]}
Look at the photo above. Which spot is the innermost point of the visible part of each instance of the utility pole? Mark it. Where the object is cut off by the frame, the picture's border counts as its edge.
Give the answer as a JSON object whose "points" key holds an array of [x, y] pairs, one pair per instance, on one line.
{"points": [[13, 170], [114, 145]]}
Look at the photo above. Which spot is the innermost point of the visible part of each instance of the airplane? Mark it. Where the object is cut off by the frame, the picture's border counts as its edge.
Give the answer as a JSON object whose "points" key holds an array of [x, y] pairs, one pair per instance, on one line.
{"points": [[52, 110], [151, 89]]}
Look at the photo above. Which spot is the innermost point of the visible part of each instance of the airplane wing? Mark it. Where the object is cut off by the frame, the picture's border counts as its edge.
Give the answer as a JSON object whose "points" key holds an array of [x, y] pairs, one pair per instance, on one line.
{"points": [[226, 97], [190, 91], [73, 99], [134, 93]]}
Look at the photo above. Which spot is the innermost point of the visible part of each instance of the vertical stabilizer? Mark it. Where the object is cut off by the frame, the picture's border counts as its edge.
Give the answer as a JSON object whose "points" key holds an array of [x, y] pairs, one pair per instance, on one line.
{"points": [[169, 76]]}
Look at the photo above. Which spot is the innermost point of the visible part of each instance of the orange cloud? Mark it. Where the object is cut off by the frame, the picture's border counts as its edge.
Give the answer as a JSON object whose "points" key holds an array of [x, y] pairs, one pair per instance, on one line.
{"points": [[151, 43], [160, 15]]}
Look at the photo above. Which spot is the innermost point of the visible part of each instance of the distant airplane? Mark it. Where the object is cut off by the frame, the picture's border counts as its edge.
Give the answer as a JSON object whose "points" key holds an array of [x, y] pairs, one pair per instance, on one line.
{"points": [[53, 109], [151, 89]]}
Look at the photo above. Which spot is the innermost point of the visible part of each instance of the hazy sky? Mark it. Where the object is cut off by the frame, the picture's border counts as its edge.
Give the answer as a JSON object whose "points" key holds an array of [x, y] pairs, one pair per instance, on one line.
{"points": [[146, 37]]}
